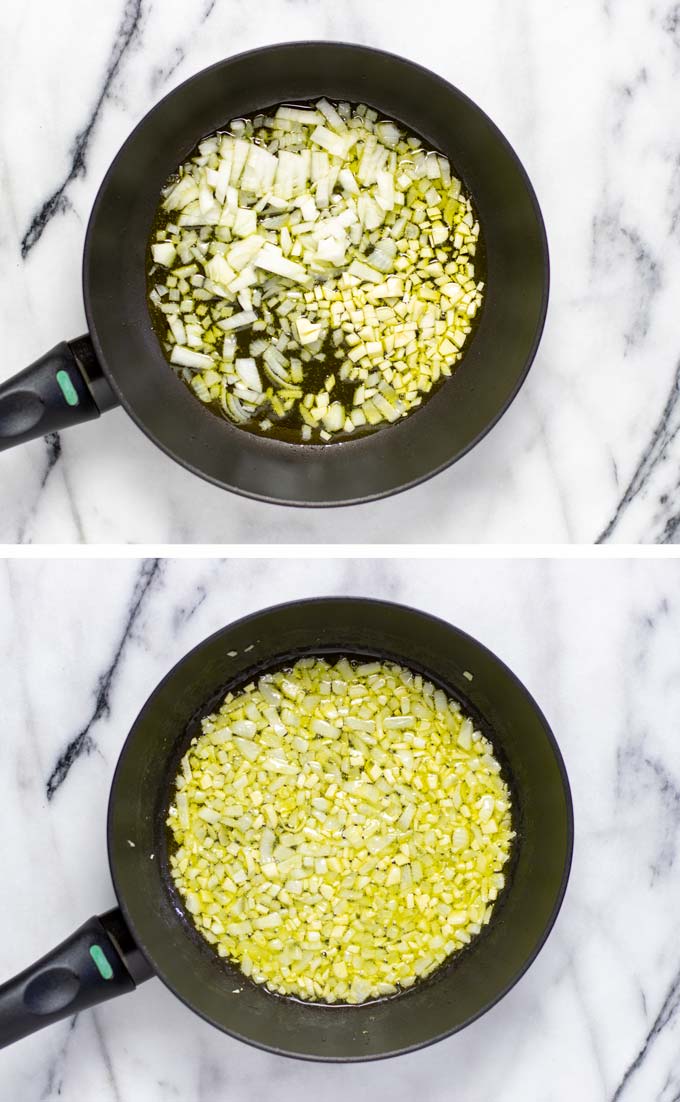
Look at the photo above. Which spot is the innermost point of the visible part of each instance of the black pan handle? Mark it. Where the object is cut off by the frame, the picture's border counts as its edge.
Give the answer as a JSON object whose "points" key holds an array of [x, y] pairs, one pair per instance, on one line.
{"points": [[99, 961], [61, 388]]}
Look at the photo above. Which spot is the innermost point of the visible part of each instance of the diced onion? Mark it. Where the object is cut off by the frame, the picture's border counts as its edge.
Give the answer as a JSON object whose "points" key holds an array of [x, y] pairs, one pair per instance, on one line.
{"points": [[164, 254], [185, 357], [340, 830], [329, 234]]}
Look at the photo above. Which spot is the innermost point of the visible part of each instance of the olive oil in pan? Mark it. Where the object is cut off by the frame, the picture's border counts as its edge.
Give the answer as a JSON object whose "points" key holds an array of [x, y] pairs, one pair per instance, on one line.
{"points": [[287, 428], [333, 382]]}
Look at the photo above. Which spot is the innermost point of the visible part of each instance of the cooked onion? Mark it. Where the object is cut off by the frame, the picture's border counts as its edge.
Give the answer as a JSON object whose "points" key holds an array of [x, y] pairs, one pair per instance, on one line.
{"points": [[340, 830]]}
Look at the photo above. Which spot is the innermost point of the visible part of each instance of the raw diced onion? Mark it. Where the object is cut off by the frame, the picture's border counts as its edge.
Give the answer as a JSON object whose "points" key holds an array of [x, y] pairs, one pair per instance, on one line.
{"points": [[327, 232]]}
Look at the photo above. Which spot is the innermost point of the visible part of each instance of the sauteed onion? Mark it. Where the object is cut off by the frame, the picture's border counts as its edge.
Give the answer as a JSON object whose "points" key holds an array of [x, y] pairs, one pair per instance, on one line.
{"points": [[340, 829]]}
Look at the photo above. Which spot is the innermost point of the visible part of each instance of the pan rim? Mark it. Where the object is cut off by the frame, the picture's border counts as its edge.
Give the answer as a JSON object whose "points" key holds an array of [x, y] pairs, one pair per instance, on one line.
{"points": [[569, 824], [461, 452]]}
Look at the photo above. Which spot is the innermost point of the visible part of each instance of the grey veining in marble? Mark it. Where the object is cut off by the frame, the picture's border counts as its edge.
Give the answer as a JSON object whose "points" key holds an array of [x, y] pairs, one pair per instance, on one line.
{"points": [[586, 92], [596, 1019]]}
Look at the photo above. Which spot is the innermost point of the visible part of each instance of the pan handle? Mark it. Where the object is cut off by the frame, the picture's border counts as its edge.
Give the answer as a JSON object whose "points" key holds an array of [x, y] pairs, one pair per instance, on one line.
{"points": [[97, 962], [61, 388]]}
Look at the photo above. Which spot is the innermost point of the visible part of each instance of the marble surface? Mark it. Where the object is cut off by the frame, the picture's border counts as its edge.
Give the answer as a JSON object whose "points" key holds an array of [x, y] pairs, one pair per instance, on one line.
{"points": [[587, 94], [597, 1018]]}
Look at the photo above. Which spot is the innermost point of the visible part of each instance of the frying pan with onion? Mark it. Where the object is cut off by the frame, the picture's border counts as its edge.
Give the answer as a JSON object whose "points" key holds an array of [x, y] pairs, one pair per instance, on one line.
{"points": [[120, 361], [150, 933]]}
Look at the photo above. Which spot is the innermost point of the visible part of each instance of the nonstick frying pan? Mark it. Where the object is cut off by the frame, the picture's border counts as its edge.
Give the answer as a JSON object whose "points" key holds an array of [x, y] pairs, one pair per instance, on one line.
{"points": [[150, 933], [121, 361]]}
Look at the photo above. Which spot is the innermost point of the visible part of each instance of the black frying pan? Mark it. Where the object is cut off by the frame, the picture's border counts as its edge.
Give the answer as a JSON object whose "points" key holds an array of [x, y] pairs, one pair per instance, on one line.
{"points": [[121, 360], [150, 934]]}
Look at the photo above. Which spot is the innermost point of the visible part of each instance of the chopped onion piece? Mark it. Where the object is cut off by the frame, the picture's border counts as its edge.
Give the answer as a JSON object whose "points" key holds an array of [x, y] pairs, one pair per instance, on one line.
{"points": [[364, 271], [332, 117], [219, 271], [307, 332], [299, 114], [247, 369], [164, 254], [184, 192], [239, 320], [260, 169], [272, 259], [186, 357], [245, 223], [244, 252], [383, 255], [334, 144], [385, 190]]}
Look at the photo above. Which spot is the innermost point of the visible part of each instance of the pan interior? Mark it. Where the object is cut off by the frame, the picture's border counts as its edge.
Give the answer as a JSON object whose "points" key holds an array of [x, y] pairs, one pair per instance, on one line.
{"points": [[458, 414], [325, 363], [464, 986], [166, 793]]}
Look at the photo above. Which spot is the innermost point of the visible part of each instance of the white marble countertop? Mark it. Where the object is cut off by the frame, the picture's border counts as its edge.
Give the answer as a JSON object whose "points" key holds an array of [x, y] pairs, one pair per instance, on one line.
{"points": [[596, 1019], [586, 92]]}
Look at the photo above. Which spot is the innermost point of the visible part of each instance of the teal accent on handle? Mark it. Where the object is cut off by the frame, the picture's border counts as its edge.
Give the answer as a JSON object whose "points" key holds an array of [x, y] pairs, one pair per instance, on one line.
{"points": [[69, 391], [103, 967]]}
